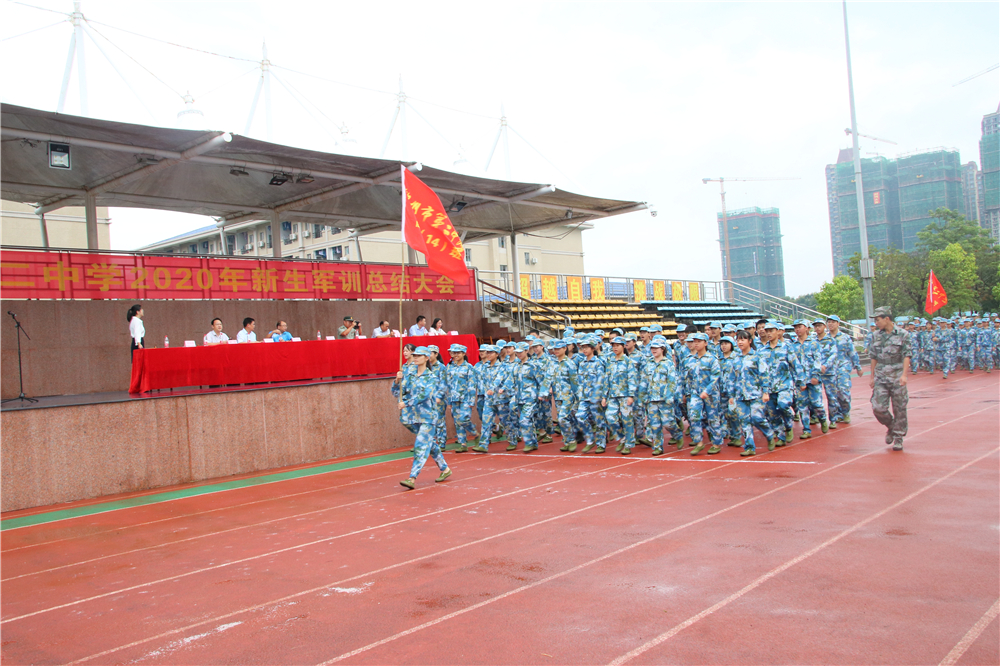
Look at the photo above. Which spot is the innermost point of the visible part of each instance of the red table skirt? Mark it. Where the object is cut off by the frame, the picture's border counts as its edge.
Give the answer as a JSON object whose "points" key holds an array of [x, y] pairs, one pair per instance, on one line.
{"points": [[220, 365]]}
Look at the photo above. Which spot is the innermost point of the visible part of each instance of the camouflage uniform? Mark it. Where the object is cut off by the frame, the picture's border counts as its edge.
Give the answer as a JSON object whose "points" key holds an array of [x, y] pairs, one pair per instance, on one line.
{"points": [[441, 406], [658, 393], [593, 387], [730, 418], [849, 360], [782, 378], [985, 343], [401, 389], [565, 389], [420, 404], [622, 385], [829, 359], [888, 352], [526, 382], [747, 389], [492, 380], [461, 397], [543, 409], [809, 396], [703, 375]]}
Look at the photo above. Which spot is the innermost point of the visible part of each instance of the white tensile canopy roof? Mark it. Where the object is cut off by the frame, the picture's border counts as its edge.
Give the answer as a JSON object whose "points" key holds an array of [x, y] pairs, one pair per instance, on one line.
{"points": [[229, 177]]}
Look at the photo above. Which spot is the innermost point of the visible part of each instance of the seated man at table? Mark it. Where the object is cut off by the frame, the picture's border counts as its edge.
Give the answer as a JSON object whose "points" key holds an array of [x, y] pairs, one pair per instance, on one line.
{"points": [[216, 336], [383, 330], [246, 333], [420, 328], [349, 330], [280, 333]]}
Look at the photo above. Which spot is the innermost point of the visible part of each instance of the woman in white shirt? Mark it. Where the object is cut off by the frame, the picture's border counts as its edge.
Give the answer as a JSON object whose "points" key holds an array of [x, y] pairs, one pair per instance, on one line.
{"points": [[135, 328], [437, 327]]}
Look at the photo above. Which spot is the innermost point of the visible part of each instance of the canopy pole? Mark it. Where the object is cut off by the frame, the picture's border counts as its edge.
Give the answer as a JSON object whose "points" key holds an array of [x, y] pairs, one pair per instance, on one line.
{"points": [[90, 207], [275, 234], [402, 267], [44, 229]]}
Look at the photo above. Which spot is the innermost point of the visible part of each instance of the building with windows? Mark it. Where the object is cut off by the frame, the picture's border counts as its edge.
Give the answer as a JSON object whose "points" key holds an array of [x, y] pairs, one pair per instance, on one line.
{"points": [[898, 195], [66, 227], [754, 249], [972, 191], [989, 158], [553, 250]]}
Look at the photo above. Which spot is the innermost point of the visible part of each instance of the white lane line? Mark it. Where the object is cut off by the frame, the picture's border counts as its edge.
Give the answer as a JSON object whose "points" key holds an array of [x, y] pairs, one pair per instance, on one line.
{"points": [[390, 567], [667, 635], [307, 544], [971, 635], [616, 553]]}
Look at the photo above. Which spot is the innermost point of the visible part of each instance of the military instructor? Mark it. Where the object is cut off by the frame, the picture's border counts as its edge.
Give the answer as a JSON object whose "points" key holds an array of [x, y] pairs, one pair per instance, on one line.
{"points": [[890, 356]]}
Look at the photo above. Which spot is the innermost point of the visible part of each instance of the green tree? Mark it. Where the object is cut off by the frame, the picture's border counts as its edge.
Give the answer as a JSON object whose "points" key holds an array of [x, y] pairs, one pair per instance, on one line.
{"points": [[952, 228], [806, 301], [900, 280], [842, 297], [955, 268]]}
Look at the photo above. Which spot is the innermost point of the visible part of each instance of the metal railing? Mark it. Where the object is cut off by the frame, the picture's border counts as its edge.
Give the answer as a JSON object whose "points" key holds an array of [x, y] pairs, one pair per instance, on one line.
{"points": [[527, 315], [780, 308], [614, 288]]}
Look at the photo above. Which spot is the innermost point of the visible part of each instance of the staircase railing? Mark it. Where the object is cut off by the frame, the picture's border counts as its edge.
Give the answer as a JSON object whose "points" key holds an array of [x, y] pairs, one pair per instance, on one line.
{"points": [[527, 315], [781, 308]]}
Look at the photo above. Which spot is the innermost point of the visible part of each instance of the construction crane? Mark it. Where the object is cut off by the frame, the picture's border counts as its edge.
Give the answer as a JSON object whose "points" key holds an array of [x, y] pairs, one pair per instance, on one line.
{"points": [[847, 131], [725, 224]]}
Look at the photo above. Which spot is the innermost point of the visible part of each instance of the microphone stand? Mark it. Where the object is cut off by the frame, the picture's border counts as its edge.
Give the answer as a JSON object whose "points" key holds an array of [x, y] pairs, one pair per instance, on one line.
{"points": [[20, 373]]}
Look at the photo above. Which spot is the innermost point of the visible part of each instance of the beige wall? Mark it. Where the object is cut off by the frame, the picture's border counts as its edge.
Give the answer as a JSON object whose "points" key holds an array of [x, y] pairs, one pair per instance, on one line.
{"points": [[555, 250], [81, 347], [62, 454], [67, 227]]}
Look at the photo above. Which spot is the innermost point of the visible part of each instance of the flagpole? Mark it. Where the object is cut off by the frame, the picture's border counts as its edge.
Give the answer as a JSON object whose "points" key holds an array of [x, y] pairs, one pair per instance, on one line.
{"points": [[402, 260]]}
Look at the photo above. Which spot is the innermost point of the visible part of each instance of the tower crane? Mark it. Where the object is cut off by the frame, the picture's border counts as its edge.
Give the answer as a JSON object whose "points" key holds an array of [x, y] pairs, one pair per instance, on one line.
{"points": [[726, 272]]}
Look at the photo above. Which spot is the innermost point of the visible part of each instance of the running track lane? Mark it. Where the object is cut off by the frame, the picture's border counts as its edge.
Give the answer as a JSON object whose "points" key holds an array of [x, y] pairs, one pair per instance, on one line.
{"points": [[688, 501]]}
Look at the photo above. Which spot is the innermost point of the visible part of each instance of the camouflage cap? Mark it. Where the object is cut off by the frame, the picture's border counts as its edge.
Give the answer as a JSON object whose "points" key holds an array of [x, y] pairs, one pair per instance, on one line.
{"points": [[882, 312]]}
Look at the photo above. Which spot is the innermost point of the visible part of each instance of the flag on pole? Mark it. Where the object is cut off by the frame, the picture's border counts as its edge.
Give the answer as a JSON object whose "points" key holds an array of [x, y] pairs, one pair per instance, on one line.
{"points": [[936, 296], [427, 229]]}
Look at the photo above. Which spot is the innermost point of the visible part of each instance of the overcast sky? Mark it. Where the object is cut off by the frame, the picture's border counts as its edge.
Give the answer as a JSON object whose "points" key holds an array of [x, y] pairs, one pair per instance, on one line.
{"points": [[626, 100]]}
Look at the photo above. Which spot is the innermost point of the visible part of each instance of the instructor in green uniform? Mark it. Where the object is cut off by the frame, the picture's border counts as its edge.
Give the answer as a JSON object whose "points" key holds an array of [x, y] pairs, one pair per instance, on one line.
{"points": [[890, 354]]}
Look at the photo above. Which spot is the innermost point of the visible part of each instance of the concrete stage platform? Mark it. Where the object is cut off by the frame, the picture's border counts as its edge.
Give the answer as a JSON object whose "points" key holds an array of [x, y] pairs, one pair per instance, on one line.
{"points": [[834, 550]]}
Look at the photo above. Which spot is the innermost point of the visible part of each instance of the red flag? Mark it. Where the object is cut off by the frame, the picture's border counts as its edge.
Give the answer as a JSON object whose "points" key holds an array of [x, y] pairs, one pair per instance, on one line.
{"points": [[427, 229], [936, 298]]}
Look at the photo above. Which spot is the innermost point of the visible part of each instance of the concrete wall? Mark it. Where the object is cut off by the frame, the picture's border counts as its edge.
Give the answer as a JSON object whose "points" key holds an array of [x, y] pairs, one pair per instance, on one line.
{"points": [[81, 347], [63, 454]]}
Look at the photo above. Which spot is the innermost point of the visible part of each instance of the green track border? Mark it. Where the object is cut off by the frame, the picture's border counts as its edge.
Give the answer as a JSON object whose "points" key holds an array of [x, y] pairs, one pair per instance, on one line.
{"points": [[170, 495]]}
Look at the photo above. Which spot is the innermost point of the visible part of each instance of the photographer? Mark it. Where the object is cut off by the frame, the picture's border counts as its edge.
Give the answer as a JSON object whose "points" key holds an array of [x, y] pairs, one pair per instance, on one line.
{"points": [[350, 330]]}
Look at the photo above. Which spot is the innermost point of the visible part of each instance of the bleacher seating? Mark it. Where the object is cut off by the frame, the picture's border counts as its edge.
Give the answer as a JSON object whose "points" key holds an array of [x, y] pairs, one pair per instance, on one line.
{"points": [[700, 313], [606, 315]]}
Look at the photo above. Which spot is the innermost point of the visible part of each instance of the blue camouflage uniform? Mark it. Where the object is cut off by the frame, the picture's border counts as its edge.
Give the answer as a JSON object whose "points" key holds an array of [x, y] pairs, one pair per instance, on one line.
{"points": [[730, 419], [564, 391], [492, 378], [849, 360], [527, 384], [985, 343], [783, 376], [402, 388], [748, 389], [622, 385], [829, 358], [543, 409], [658, 391], [702, 375], [808, 396], [420, 399], [461, 394], [592, 383]]}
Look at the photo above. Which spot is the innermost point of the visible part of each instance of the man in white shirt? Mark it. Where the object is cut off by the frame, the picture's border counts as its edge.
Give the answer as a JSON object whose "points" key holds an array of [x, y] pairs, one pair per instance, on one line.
{"points": [[246, 333], [420, 328], [382, 331], [215, 336]]}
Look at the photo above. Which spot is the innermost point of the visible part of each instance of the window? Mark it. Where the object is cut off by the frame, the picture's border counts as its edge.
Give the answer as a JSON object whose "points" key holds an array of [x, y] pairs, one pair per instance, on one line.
{"points": [[317, 231], [194, 248], [503, 268], [527, 258], [321, 254], [347, 251], [230, 244], [336, 253], [468, 256], [502, 242]]}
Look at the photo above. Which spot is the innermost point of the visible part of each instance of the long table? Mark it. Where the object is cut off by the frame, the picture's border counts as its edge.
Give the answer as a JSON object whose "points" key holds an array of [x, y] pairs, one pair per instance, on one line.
{"points": [[221, 365]]}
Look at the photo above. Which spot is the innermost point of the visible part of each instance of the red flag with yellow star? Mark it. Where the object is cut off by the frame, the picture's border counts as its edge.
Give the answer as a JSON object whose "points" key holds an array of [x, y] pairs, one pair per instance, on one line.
{"points": [[936, 296], [427, 229]]}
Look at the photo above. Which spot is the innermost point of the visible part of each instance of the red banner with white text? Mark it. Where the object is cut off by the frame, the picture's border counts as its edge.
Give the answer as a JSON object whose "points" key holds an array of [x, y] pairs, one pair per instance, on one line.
{"points": [[95, 276]]}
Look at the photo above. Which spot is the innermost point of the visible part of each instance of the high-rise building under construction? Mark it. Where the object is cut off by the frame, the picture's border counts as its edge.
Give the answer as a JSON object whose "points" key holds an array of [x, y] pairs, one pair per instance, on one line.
{"points": [[899, 195], [989, 158], [754, 249]]}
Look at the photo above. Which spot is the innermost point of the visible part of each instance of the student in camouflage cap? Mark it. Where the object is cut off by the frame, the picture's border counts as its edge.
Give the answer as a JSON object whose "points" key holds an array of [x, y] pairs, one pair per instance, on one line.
{"points": [[890, 367]]}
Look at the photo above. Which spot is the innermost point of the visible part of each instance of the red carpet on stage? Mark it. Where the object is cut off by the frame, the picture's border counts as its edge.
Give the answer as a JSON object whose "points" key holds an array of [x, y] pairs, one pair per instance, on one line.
{"points": [[222, 365]]}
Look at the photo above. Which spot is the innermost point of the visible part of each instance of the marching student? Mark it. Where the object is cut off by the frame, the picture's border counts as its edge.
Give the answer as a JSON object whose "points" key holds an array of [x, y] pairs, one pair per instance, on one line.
{"points": [[492, 378], [728, 362], [593, 389], [461, 396], [748, 393], [526, 386], [702, 375], [658, 392], [420, 403], [622, 385]]}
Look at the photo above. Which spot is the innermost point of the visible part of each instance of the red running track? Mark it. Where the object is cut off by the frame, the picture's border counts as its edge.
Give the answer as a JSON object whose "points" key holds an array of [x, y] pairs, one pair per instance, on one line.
{"points": [[833, 550]]}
